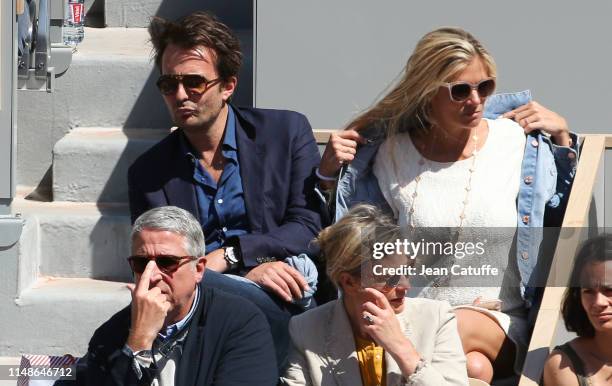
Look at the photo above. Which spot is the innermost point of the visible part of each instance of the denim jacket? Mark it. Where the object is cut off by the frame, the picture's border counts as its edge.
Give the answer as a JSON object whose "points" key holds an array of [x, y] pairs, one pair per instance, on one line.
{"points": [[547, 172]]}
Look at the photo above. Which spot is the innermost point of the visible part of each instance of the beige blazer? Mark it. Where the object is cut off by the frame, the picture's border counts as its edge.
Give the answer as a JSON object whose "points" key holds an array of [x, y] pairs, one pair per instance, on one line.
{"points": [[323, 353]]}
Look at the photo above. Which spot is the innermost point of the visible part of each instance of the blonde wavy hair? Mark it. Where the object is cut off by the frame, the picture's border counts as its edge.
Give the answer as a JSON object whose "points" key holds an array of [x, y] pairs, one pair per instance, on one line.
{"points": [[349, 243], [437, 58]]}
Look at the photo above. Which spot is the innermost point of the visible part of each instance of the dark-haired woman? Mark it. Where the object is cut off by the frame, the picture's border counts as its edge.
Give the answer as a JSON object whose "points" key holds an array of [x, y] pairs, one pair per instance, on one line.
{"points": [[587, 311]]}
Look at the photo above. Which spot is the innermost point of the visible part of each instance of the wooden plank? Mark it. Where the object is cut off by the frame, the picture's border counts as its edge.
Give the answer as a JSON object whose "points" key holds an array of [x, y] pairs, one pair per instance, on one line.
{"points": [[576, 217], [542, 337], [19, 6], [322, 135], [582, 190]]}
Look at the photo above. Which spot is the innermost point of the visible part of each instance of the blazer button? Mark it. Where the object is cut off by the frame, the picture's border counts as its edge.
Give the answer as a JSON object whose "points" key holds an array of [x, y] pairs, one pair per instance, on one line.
{"points": [[528, 180], [525, 255], [525, 219], [534, 143]]}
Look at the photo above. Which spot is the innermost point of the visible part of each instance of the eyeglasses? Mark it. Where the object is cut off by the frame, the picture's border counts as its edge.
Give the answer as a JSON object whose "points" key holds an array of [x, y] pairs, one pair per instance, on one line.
{"points": [[193, 83], [461, 91], [391, 282], [166, 263]]}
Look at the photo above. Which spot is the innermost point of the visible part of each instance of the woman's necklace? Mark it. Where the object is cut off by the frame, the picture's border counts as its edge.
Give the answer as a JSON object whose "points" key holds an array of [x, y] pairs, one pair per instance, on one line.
{"points": [[468, 187]]}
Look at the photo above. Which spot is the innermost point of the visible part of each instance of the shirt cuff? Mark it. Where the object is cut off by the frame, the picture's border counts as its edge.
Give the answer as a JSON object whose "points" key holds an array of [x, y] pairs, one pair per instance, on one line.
{"points": [[140, 359]]}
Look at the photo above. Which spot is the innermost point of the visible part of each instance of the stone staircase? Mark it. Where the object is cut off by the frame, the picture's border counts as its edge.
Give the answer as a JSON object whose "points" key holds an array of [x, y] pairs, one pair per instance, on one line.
{"points": [[74, 148]]}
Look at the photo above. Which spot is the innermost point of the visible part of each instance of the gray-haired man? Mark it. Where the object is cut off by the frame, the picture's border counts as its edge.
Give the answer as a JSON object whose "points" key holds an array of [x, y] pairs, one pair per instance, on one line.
{"points": [[177, 331]]}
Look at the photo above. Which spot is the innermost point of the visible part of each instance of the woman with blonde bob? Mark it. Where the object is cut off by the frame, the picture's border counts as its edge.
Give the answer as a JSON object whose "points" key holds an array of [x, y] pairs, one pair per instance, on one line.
{"points": [[374, 334], [433, 154]]}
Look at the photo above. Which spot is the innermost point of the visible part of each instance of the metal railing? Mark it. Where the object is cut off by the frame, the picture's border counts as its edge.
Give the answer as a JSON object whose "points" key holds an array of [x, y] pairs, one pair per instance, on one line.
{"points": [[42, 55]]}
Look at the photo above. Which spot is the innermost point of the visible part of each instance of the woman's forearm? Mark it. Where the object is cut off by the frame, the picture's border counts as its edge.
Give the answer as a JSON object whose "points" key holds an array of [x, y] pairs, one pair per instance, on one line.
{"points": [[406, 357]]}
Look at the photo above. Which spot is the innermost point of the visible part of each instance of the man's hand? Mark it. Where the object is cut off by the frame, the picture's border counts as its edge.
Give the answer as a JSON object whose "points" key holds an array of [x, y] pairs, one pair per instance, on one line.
{"points": [[216, 261], [341, 148], [279, 278], [149, 310], [534, 116]]}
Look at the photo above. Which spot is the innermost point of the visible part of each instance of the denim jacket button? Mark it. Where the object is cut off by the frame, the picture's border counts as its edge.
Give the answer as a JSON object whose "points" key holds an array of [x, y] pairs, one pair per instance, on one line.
{"points": [[528, 180], [525, 219], [534, 143], [524, 255]]}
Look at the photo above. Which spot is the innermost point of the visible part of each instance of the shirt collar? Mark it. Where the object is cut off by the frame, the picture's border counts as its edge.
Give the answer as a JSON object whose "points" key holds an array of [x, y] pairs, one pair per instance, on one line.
{"points": [[229, 139], [174, 328]]}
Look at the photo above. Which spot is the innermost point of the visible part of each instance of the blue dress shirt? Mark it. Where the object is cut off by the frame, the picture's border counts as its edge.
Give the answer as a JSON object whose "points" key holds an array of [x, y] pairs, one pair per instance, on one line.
{"points": [[220, 204]]}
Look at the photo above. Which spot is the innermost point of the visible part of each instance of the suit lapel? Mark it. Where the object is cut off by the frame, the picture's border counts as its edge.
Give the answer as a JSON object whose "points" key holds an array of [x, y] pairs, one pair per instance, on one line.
{"points": [[250, 156], [192, 360], [180, 188], [341, 348], [180, 191]]}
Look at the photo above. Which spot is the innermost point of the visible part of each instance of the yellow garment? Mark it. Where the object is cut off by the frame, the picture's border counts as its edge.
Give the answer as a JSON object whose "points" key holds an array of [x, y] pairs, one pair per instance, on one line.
{"points": [[371, 362]]}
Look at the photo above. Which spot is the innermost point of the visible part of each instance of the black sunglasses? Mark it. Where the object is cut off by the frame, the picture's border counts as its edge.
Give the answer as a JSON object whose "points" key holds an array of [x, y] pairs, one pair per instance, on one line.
{"points": [[461, 91], [166, 263], [193, 83], [390, 282]]}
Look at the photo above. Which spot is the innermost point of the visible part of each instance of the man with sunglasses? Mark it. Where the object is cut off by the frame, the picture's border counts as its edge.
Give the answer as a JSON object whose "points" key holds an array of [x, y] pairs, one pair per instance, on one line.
{"points": [[246, 174], [177, 330]]}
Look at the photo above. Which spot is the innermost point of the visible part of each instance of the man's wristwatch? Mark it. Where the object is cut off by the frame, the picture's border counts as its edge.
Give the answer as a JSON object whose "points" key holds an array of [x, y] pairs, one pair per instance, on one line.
{"points": [[230, 257]]}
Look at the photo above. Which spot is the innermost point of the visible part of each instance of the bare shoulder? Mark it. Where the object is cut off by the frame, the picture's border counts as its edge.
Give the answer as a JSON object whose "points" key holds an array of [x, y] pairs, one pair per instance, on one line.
{"points": [[558, 370]]}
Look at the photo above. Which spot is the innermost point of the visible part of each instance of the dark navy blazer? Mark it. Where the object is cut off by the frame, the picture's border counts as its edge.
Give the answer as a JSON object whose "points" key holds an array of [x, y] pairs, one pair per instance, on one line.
{"points": [[228, 343], [277, 153]]}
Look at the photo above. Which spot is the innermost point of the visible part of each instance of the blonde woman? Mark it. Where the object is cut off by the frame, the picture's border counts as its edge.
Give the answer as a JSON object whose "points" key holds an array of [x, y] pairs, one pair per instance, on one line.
{"points": [[434, 155], [374, 334]]}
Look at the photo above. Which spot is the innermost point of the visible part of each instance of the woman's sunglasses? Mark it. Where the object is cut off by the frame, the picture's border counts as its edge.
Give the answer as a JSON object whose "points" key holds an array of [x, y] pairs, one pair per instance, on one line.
{"points": [[461, 91], [193, 83], [166, 263]]}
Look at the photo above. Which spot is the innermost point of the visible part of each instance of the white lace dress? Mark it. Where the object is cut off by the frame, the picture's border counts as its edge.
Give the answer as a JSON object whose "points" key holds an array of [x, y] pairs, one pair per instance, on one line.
{"points": [[491, 209]]}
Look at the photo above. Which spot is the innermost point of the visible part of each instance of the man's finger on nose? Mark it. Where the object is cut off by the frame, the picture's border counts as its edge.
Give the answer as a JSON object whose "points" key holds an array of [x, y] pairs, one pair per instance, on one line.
{"points": [[143, 283]]}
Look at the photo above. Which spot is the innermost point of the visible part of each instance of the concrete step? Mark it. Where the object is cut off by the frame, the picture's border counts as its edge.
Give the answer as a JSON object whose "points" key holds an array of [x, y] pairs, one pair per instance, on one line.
{"points": [[59, 315], [77, 240], [111, 83], [90, 164], [238, 14]]}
